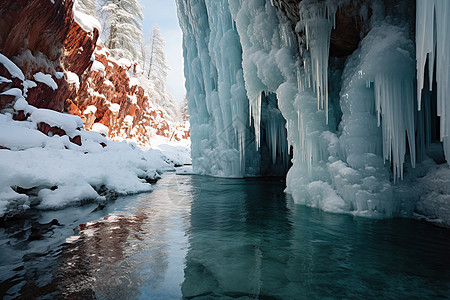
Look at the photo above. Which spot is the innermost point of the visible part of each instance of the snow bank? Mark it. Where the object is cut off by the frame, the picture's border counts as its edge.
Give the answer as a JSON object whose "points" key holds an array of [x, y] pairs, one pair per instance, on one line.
{"points": [[20, 138], [68, 123], [100, 128], [62, 173], [177, 154]]}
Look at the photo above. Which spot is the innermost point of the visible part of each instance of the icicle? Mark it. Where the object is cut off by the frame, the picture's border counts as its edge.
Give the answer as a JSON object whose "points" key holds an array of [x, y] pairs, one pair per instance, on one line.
{"points": [[433, 42], [255, 111], [318, 19], [394, 102]]}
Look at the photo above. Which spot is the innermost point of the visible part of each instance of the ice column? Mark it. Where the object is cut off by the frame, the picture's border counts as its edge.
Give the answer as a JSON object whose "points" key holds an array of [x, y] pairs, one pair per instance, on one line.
{"points": [[267, 52], [222, 144], [433, 44]]}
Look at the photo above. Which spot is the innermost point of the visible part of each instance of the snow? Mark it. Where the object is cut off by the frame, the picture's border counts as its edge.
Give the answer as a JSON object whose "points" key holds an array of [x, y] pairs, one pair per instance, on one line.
{"points": [[124, 62], [128, 120], [107, 82], [62, 173], [59, 75], [19, 138], [11, 67], [114, 107], [46, 79], [28, 84], [133, 99], [68, 123], [87, 22], [17, 93], [100, 128], [134, 81], [4, 80], [97, 66], [72, 78], [176, 153], [90, 109]]}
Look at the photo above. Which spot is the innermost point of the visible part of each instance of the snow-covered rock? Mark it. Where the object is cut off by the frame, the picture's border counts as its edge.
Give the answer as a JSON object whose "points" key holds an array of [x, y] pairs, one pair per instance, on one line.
{"points": [[61, 173]]}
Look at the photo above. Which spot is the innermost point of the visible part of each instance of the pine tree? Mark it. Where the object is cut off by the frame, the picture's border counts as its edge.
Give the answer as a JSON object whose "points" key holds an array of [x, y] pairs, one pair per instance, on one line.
{"points": [[121, 23], [184, 110], [157, 66], [157, 74], [88, 7]]}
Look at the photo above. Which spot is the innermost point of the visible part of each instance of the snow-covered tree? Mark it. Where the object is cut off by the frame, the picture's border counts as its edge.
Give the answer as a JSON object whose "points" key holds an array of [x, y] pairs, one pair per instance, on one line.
{"points": [[157, 66], [144, 50], [122, 27], [157, 75], [184, 110], [88, 7]]}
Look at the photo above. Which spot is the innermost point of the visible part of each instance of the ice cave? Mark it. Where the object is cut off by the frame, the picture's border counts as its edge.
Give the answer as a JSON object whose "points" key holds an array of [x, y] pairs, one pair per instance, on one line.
{"points": [[354, 91]]}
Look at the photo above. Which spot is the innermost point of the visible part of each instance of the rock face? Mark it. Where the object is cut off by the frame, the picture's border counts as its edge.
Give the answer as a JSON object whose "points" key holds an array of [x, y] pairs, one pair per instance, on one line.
{"points": [[107, 95], [39, 36]]}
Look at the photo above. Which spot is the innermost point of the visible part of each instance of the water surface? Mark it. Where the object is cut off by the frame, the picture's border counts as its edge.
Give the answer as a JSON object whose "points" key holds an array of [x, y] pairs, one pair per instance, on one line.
{"points": [[200, 237]]}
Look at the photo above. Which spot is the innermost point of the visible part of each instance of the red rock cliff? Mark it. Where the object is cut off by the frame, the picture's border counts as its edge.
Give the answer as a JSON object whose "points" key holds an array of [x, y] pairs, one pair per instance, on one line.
{"points": [[41, 36], [120, 103]]}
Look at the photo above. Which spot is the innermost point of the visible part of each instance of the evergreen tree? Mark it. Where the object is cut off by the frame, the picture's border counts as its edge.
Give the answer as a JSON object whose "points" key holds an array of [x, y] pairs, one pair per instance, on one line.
{"points": [[157, 74], [88, 7], [184, 110], [122, 27], [157, 66]]}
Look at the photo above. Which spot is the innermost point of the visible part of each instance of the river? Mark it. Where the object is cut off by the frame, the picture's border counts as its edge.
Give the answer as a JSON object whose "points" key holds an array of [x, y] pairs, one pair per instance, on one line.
{"points": [[198, 237]]}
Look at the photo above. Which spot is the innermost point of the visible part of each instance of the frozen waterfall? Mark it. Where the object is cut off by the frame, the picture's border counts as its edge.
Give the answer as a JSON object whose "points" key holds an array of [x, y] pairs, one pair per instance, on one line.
{"points": [[260, 84]]}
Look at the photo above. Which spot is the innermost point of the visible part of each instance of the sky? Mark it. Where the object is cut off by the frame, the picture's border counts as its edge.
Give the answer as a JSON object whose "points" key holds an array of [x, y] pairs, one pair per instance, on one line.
{"points": [[164, 14]]}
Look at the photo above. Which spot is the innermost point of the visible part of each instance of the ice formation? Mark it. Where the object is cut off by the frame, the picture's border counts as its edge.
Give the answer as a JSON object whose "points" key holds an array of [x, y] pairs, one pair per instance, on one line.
{"points": [[350, 148], [433, 44]]}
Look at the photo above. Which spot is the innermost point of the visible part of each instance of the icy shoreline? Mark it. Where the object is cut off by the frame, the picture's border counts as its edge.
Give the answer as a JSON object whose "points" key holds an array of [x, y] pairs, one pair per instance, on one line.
{"points": [[52, 172]]}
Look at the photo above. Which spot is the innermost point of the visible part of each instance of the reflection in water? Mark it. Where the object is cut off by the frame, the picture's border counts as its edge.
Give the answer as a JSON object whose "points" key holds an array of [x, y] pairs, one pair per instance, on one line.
{"points": [[230, 253], [134, 250], [208, 238], [248, 241], [100, 260]]}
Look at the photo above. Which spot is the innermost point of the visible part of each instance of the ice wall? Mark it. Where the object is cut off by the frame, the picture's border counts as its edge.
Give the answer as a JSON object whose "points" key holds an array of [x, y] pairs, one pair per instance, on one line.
{"points": [[222, 144], [354, 127], [225, 125]]}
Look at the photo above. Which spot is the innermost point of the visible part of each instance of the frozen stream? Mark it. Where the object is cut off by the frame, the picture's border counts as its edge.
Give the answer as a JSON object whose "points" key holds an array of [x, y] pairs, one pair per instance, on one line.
{"points": [[208, 238]]}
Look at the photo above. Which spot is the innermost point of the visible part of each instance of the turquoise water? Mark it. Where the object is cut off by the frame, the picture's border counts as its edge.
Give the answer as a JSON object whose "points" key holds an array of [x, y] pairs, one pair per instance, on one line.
{"points": [[199, 237]]}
